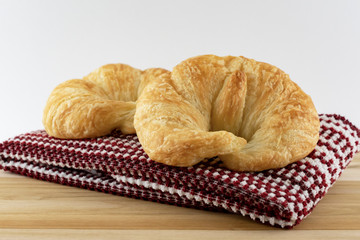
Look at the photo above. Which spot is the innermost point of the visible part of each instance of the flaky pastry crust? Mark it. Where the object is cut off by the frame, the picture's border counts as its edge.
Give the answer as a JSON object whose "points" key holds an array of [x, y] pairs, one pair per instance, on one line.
{"points": [[93, 106], [248, 113]]}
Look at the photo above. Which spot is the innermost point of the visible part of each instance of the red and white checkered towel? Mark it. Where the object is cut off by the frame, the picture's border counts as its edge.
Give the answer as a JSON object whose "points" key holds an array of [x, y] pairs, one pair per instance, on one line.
{"points": [[117, 164]]}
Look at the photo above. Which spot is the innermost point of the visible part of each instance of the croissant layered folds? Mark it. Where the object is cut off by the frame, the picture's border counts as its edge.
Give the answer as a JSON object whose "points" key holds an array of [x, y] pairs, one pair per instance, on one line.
{"points": [[248, 113], [93, 106]]}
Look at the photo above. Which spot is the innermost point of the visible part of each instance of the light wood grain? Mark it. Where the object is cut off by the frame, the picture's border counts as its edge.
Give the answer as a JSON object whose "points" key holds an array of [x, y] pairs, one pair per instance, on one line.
{"points": [[66, 234], [33, 209], [352, 171]]}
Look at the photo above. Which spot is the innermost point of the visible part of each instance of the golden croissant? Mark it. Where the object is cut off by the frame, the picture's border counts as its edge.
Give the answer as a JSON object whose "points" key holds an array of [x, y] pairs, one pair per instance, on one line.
{"points": [[248, 113], [93, 106]]}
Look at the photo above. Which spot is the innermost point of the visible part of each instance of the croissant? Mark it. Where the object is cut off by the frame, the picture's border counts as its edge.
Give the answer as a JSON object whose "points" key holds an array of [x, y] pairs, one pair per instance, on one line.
{"points": [[248, 113], [93, 106]]}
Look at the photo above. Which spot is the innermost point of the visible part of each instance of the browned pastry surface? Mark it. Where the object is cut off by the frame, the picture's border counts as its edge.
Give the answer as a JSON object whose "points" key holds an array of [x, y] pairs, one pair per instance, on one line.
{"points": [[95, 105], [248, 113]]}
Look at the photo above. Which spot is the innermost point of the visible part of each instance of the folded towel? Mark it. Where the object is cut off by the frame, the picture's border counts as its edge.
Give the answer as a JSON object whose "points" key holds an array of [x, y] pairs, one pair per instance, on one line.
{"points": [[117, 164]]}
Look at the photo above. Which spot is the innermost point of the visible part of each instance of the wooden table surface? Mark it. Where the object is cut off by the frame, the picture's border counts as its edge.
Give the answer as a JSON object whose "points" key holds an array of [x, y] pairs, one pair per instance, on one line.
{"points": [[33, 209]]}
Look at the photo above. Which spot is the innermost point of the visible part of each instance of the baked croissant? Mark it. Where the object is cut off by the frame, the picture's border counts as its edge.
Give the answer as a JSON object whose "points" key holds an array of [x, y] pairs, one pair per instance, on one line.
{"points": [[93, 106], [248, 113]]}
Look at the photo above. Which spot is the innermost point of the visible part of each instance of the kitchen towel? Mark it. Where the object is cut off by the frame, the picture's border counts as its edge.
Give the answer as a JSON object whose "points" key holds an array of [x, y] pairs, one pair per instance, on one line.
{"points": [[117, 164]]}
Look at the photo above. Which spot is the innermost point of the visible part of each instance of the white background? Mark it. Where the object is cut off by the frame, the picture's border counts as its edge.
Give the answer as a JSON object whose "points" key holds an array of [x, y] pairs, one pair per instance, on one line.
{"points": [[43, 43]]}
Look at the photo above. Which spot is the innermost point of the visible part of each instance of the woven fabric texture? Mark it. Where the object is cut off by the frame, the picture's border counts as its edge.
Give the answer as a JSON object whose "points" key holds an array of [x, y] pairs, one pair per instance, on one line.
{"points": [[117, 164]]}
